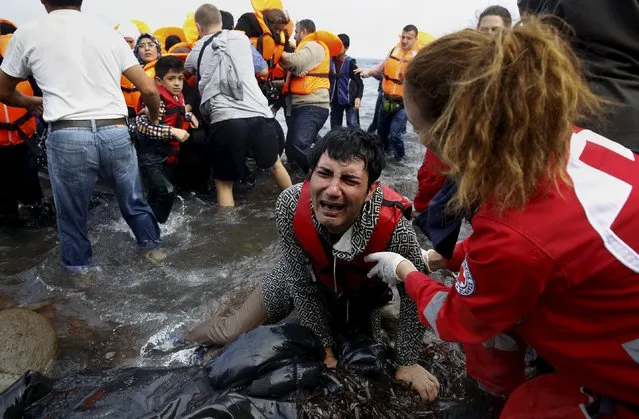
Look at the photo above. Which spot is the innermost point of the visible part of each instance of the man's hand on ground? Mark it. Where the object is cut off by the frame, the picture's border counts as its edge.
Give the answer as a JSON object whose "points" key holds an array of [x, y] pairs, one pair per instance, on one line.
{"points": [[420, 380]]}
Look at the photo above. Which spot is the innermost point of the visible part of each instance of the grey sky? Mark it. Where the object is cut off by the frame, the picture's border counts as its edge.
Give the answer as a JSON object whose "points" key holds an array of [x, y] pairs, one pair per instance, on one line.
{"points": [[373, 25]]}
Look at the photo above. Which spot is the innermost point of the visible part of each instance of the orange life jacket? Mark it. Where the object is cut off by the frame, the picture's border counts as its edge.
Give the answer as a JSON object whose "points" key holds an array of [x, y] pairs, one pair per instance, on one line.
{"points": [[317, 78], [395, 69], [16, 124], [341, 277]]}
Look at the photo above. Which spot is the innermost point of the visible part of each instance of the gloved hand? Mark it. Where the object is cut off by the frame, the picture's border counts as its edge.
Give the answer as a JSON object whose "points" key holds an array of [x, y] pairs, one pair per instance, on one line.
{"points": [[433, 260], [387, 267]]}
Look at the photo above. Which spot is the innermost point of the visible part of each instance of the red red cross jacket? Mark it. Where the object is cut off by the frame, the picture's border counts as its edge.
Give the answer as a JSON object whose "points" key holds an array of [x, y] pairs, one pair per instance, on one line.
{"points": [[562, 274]]}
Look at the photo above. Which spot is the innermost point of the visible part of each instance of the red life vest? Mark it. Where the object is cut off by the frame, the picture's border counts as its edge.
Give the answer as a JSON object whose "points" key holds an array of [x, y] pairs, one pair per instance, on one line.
{"points": [[345, 278], [175, 116]]}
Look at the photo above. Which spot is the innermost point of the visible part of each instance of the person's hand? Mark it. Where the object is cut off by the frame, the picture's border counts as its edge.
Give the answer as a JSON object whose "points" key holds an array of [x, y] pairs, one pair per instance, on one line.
{"points": [[329, 359], [358, 103], [391, 267], [362, 73], [180, 134], [194, 122], [433, 260], [34, 106], [420, 380], [302, 73]]}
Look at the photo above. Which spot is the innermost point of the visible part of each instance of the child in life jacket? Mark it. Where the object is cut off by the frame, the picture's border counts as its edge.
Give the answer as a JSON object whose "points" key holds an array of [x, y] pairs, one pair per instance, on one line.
{"points": [[159, 144]]}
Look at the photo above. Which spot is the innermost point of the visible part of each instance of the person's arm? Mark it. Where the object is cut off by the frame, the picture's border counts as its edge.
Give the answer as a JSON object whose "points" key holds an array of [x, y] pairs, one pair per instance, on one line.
{"points": [[501, 279], [147, 88], [155, 131], [15, 69], [376, 71], [259, 63], [430, 178], [357, 79], [411, 331], [304, 60], [304, 291], [12, 97]]}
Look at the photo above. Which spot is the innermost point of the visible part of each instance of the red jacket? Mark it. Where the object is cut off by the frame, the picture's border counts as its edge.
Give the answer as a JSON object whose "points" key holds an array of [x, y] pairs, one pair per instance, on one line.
{"points": [[562, 274], [431, 178]]}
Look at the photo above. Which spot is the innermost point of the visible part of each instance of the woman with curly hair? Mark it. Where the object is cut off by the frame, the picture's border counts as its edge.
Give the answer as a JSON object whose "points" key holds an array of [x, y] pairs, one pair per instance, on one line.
{"points": [[553, 261]]}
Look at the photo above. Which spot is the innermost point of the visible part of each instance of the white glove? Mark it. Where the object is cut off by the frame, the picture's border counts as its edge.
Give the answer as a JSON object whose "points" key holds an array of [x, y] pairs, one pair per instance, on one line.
{"points": [[386, 268], [432, 260]]}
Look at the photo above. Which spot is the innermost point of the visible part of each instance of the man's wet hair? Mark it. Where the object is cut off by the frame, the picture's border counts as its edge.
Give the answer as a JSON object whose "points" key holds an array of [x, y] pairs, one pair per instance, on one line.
{"points": [[500, 11], [411, 28], [62, 3], [307, 25], [228, 21], [170, 41], [167, 64], [351, 144], [346, 40]]}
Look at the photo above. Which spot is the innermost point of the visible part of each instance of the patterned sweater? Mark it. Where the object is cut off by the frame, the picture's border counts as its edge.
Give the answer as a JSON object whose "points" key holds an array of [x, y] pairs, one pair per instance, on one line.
{"points": [[305, 292]]}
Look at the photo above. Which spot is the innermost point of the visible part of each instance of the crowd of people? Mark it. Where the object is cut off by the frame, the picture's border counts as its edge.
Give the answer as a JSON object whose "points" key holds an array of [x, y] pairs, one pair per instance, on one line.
{"points": [[531, 133]]}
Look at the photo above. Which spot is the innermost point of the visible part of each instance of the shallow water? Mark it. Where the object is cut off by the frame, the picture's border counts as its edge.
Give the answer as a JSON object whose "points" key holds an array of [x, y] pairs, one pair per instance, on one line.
{"points": [[129, 305]]}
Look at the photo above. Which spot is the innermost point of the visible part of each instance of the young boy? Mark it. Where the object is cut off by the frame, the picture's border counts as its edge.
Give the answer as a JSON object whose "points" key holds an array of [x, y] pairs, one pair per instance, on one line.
{"points": [[347, 88], [159, 145]]}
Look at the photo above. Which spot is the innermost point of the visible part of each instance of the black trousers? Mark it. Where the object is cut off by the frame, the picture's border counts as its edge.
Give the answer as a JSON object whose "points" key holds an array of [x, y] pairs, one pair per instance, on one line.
{"points": [[19, 181], [161, 194]]}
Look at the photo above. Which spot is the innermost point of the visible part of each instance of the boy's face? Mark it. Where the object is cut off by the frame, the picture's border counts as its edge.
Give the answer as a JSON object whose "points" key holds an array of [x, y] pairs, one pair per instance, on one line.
{"points": [[172, 81]]}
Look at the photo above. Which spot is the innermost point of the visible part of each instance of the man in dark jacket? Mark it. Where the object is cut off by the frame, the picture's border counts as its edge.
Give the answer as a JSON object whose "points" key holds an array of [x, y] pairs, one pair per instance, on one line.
{"points": [[606, 37], [347, 88]]}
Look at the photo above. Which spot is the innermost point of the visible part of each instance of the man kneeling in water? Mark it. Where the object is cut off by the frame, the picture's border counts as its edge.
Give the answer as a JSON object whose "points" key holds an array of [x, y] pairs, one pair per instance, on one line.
{"points": [[327, 225]]}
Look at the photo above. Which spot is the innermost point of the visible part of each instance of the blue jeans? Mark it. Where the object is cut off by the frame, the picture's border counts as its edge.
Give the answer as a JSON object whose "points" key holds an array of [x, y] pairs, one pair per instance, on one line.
{"points": [[390, 130], [337, 116], [76, 158], [304, 125]]}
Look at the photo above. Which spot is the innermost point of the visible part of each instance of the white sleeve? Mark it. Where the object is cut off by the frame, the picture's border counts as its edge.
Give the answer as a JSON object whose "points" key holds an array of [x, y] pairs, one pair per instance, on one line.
{"points": [[15, 62], [127, 59]]}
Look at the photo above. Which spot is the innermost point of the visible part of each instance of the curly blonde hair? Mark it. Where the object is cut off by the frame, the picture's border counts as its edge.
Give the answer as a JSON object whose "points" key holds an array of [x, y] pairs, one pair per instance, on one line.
{"points": [[502, 109]]}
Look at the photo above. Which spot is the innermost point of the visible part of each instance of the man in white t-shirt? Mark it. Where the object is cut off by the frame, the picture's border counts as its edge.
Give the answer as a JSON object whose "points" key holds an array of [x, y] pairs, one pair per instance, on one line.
{"points": [[77, 62], [233, 104]]}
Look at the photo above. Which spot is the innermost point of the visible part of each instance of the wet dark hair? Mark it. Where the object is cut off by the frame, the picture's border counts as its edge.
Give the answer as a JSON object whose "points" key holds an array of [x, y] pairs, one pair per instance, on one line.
{"points": [[228, 21], [411, 28], [167, 64], [170, 41], [307, 25], [500, 11], [346, 40], [351, 144], [61, 3]]}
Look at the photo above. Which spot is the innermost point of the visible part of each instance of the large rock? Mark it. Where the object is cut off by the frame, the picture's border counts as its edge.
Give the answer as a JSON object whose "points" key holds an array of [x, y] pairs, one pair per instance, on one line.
{"points": [[28, 341]]}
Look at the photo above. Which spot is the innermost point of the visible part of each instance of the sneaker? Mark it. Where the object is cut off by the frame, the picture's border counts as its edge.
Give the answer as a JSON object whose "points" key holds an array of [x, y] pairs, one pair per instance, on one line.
{"points": [[155, 255]]}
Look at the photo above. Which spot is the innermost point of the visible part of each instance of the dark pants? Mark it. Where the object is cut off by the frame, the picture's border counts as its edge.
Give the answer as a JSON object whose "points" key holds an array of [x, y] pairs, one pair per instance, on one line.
{"points": [[304, 125], [19, 181], [378, 106], [390, 130], [158, 181], [337, 116], [194, 168]]}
